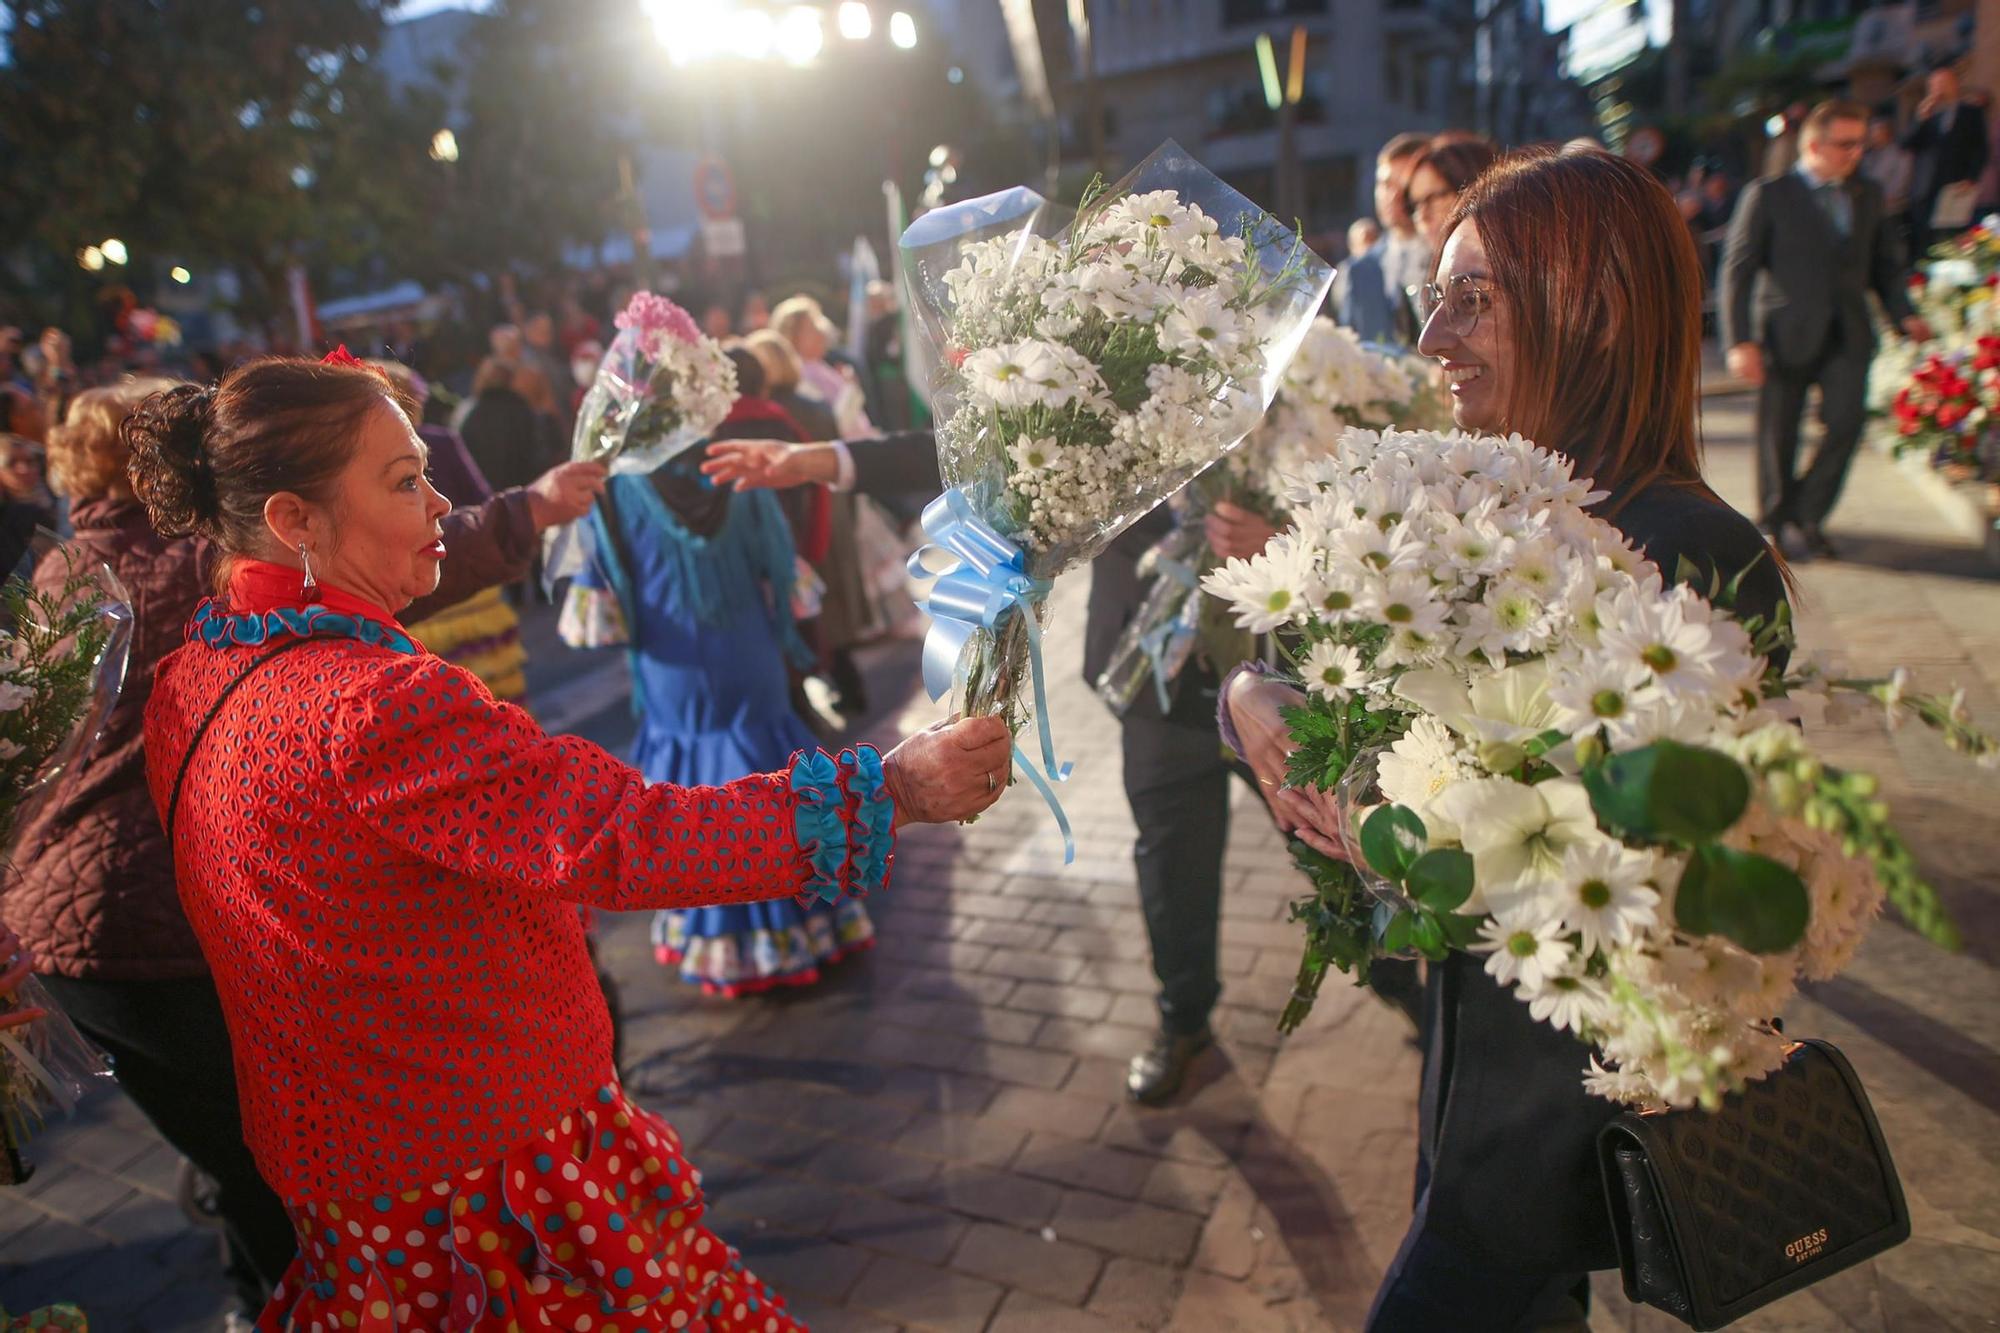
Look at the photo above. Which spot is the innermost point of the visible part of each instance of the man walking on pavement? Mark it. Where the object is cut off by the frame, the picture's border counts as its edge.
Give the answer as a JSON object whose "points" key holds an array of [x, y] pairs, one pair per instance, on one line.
{"points": [[1948, 149], [1805, 248]]}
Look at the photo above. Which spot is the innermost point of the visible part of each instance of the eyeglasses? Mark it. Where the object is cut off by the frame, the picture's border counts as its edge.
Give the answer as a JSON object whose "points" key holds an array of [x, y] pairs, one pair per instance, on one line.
{"points": [[1421, 204], [1461, 299]]}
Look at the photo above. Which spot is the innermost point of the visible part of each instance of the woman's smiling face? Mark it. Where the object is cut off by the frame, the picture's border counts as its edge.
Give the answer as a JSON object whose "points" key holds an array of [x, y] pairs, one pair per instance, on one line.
{"points": [[1470, 331]]}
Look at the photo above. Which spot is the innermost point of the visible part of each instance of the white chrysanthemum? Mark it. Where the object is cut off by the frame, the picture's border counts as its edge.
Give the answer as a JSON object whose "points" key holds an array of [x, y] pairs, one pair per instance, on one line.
{"points": [[1567, 1002], [1035, 454], [1594, 691], [1266, 591], [1423, 763], [1523, 951], [1334, 671], [1619, 1086], [1202, 324], [1605, 894], [1656, 635], [1404, 601]]}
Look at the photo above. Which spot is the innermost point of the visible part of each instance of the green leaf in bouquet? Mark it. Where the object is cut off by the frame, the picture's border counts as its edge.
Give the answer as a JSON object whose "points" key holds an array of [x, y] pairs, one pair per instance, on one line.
{"points": [[1668, 791], [1321, 746], [1460, 930], [1441, 879], [1397, 932], [1427, 936], [1743, 897], [1392, 839]]}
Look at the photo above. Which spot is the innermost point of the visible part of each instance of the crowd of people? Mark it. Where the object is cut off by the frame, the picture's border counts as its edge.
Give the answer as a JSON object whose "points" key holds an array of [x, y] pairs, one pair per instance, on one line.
{"points": [[317, 888]]}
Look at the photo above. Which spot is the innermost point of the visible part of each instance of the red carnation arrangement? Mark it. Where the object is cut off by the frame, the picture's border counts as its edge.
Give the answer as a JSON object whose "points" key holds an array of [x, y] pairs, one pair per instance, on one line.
{"points": [[1948, 400]]}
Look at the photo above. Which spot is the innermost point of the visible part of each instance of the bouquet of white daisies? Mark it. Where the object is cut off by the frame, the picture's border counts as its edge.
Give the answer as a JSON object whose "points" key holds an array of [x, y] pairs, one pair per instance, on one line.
{"points": [[1557, 760], [1336, 381], [1092, 362]]}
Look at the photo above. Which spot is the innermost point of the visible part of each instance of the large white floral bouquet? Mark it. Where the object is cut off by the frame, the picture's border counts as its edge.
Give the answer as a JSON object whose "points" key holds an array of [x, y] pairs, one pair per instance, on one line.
{"points": [[1558, 760], [1091, 363], [1336, 381]]}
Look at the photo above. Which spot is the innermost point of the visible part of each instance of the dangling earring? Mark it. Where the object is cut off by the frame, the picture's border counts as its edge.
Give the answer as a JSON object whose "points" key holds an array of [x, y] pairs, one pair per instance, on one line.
{"points": [[311, 585]]}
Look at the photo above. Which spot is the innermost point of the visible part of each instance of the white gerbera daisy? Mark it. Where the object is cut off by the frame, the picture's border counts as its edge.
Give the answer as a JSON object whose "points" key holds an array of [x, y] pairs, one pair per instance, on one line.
{"points": [[1268, 590], [1595, 691], [1036, 453]]}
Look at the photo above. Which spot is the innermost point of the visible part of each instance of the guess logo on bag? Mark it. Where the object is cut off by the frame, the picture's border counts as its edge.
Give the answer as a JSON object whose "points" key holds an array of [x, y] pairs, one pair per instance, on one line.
{"points": [[1805, 1247]]}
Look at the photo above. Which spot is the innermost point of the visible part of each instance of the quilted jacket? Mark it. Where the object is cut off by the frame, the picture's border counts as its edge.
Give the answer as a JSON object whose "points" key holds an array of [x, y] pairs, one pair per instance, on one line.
{"points": [[93, 889]]}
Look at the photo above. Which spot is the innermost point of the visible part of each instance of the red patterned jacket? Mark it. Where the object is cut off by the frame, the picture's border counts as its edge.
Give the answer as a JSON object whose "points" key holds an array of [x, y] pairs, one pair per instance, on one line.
{"points": [[379, 860]]}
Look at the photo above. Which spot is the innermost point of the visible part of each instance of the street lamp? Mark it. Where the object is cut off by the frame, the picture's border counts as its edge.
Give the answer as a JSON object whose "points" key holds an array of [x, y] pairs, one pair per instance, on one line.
{"points": [[902, 30], [855, 21], [180, 274], [444, 146], [114, 250], [91, 257]]}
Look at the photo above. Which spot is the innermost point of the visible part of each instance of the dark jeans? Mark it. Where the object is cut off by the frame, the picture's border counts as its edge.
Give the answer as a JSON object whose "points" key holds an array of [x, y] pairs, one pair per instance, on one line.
{"points": [[1177, 780], [1783, 495], [171, 1054]]}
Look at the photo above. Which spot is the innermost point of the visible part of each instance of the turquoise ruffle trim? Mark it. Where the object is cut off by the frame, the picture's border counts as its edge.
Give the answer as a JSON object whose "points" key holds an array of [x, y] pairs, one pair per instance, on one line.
{"points": [[220, 629], [872, 818], [818, 821]]}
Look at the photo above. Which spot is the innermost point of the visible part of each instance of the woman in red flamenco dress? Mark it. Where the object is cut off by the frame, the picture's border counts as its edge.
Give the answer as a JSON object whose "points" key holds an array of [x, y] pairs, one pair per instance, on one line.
{"points": [[382, 864]]}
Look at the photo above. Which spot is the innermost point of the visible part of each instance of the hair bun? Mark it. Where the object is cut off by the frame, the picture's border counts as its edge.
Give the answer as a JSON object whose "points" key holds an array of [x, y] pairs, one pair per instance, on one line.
{"points": [[171, 473]]}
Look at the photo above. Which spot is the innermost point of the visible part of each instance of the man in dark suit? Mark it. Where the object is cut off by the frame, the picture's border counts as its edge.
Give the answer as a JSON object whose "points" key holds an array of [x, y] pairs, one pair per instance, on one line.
{"points": [[1948, 146], [1805, 247]]}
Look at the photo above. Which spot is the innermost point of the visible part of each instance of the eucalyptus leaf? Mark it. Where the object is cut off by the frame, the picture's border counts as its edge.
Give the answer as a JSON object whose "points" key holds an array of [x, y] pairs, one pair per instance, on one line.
{"points": [[1668, 791], [1441, 879], [1392, 839], [1748, 899]]}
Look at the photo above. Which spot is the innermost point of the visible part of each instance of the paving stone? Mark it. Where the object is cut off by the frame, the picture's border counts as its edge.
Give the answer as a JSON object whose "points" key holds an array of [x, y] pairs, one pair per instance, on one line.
{"points": [[765, 1142], [928, 1235], [1135, 1294], [1026, 965], [925, 1297], [1111, 1041], [1011, 934], [1135, 1229], [1022, 1065], [937, 1090], [1183, 1185], [1052, 1112], [874, 1166], [1029, 1261], [809, 1265], [760, 1198], [1080, 1002], [963, 1138], [996, 1196], [960, 987], [1025, 1312], [966, 1020], [1084, 1165]]}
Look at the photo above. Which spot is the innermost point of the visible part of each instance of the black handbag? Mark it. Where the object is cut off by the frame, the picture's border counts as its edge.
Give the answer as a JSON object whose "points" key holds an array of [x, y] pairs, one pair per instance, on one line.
{"points": [[1717, 1213]]}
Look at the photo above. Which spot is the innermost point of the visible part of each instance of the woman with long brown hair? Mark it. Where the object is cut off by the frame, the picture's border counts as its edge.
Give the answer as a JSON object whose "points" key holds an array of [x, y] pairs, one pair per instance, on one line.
{"points": [[1565, 306]]}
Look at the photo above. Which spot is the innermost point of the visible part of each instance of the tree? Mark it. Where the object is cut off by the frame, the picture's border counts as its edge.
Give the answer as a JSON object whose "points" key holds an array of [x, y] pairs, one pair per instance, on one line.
{"points": [[251, 134]]}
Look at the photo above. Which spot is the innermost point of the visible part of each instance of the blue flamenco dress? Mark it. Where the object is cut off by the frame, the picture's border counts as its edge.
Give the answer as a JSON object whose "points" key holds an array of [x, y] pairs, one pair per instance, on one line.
{"points": [[709, 631]]}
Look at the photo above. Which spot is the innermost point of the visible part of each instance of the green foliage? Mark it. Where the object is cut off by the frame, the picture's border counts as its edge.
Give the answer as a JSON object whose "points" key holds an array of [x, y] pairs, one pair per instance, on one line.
{"points": [[1744, 897], [49, 662], [1392, 838], [1668, 792]]}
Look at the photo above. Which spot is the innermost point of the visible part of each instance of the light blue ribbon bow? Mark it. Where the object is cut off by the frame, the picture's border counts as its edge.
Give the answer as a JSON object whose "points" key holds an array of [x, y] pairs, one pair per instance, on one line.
{"points": [[986, 582]]}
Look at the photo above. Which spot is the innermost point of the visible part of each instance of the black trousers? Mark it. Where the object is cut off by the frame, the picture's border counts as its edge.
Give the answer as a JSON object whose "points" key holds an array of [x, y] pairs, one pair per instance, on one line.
{"points": [[1177, 781], [171, 1054], [1784, 494]]}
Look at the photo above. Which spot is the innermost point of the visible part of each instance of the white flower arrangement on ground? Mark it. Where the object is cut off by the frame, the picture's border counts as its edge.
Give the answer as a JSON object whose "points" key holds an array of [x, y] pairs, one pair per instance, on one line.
{"points": [[1090, 368], [1585, 774]]}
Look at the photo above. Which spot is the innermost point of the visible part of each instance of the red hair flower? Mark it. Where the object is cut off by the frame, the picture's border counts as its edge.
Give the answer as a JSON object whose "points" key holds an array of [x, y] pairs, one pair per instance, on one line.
{"points": [[340, 356]]}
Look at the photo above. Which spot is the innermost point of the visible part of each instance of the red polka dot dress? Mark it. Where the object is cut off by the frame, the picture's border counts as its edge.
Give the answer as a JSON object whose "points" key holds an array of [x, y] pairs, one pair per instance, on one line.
{"points": [[383, 866]]}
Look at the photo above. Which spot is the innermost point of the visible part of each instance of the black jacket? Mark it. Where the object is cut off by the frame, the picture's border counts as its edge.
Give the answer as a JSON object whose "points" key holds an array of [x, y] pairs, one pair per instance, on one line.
{"points": [[1941, 156], [1790, 280], [1508, 1129]]}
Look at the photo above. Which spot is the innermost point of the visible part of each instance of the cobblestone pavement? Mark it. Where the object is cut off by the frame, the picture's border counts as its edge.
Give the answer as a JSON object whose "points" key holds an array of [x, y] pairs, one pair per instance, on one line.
{"points": [[935, 1137]]}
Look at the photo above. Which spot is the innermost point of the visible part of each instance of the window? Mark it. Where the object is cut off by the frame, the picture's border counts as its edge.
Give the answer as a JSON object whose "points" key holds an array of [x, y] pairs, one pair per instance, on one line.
{"points": [[1236, 13]]}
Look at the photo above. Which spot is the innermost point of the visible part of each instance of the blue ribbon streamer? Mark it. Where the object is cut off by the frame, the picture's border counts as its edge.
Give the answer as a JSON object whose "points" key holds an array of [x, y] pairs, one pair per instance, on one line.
{"points": [[986, 582]]}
